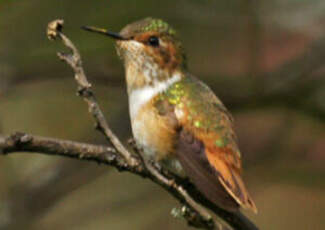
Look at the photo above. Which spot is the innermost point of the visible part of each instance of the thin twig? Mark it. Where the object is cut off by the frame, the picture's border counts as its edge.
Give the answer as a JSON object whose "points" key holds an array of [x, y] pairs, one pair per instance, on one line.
{"points": [[84, 88]]}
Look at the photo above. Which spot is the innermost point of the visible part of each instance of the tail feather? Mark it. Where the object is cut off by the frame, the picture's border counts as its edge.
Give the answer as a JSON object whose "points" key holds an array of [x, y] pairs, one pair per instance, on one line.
{"points": [[239, 192], [216, 178]]}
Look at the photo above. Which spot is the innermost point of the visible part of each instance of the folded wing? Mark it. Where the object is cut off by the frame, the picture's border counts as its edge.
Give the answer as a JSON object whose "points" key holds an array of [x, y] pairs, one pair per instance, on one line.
{"points": [[207, 148]]}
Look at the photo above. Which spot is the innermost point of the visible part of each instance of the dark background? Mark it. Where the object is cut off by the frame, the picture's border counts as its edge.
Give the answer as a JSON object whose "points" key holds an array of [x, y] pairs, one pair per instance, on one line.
{"points": [[265, 60]]}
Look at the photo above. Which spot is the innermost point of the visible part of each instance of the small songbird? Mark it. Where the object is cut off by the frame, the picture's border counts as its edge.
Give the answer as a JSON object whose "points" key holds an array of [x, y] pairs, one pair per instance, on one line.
{"points": [[176, 119]]}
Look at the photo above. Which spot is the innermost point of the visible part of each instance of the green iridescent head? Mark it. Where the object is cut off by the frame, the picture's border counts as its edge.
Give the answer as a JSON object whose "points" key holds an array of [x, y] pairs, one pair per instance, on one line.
{"points": [[150, 49], [148, 25], [152, 37], [158, 40]]}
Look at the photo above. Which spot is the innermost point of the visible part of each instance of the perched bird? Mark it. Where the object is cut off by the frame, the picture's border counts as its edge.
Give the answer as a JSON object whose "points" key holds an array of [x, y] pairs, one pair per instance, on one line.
{"points": [[176, 119]]}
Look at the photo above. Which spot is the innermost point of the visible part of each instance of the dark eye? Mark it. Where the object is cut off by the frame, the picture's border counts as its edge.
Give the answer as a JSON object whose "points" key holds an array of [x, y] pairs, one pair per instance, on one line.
{"points": [[153, 41]]}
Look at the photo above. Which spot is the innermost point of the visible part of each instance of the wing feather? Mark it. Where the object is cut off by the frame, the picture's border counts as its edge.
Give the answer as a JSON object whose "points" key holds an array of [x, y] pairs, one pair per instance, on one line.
{"points": [[191, 154], [207, 146]]}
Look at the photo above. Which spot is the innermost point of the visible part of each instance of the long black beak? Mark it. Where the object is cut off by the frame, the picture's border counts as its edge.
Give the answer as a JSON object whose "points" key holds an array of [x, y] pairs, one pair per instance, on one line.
{"points": [[113, 35]]}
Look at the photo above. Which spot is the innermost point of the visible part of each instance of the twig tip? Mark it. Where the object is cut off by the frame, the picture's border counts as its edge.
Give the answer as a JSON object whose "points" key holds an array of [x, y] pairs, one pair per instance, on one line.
{"points": [[54, 28]]}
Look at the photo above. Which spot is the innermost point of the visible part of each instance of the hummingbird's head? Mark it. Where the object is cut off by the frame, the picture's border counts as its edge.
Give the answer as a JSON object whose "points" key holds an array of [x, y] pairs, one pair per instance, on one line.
{"points": [[150, 50]]}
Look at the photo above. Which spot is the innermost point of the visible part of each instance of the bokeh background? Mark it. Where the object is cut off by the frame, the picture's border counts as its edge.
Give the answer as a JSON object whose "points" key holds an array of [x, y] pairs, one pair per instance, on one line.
{"points": [[264, 59]]}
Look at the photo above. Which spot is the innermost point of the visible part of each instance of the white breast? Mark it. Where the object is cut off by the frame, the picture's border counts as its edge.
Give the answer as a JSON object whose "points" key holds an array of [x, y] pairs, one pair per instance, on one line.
{"points": [[139, 97]]}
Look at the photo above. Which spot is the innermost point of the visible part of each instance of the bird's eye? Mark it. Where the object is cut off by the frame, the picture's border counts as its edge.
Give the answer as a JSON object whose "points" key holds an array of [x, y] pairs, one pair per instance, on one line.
{"points": [[153, 41]]}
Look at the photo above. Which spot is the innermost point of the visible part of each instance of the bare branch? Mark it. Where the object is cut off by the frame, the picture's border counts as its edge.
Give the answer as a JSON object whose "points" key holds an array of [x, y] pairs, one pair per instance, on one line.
{"points": [[22, 142], [193, 212], [84, 88]]}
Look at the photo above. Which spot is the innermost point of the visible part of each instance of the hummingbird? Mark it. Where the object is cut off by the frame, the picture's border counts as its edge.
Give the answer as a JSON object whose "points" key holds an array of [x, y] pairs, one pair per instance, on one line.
{"points": [[176, 119]]}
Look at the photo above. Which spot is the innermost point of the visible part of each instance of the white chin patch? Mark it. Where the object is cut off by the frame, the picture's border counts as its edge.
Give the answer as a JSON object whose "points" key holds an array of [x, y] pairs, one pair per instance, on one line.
{"points": [[130, 46]]}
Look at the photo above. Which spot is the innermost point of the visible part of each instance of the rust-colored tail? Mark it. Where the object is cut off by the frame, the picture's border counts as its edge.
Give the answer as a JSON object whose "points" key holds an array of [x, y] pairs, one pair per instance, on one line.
{"points": [[238, 191]]}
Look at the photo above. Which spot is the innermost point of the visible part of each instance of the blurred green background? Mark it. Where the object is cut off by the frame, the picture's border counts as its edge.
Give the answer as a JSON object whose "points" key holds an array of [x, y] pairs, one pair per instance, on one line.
{"points": [[264, 59]]}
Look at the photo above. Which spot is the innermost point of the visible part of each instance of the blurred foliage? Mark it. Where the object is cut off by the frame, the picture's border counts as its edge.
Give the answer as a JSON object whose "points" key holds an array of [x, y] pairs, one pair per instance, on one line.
{"points": [[265, 59]]}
